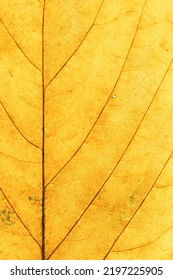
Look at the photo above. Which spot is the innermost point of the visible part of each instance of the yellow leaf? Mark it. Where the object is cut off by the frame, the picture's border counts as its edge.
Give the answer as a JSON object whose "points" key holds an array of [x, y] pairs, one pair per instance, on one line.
{"points": [[86, 134]]}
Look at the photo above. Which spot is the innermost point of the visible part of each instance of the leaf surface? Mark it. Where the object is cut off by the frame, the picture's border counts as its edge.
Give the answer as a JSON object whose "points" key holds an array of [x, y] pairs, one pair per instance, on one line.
{"points": [[86, 134]]}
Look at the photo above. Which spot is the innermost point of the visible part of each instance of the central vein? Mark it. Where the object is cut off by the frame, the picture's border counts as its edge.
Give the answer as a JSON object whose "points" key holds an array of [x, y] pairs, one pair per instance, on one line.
{"points": [[43, 137]]}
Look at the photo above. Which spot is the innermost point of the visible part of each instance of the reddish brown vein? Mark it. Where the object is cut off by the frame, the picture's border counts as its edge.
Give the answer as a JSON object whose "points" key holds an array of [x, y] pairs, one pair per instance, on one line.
{"points": [[19, 218], [117, 164], [14, 40], [77, 47], [144, 245], [103, 108], [142, 202], [18, 128]]}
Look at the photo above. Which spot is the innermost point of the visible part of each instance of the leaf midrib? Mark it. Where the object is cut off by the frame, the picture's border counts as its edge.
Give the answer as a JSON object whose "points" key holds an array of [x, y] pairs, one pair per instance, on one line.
{"points": [[43, 136]]}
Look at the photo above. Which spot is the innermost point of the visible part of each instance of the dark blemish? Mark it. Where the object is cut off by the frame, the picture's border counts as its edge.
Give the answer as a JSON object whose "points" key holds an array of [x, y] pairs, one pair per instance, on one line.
{"points": [[132, 199], [164, 45], [34, 199], [6, 217], [129, 12], [10, 73]]}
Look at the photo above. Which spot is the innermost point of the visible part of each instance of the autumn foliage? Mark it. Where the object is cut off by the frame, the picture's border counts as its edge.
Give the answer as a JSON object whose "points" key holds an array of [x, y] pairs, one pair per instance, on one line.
{"points": [[86, 129]]}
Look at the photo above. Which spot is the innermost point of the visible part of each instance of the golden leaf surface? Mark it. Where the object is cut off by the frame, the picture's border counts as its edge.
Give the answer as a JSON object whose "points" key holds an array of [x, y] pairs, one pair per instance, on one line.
{"points": [[86, 129]]}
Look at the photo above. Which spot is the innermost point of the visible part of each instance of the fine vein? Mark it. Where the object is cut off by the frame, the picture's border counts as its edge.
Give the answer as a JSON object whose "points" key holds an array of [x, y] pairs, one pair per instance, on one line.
{"points": [[144, 245], [14, 40], [142, 202], [117, 164], [19, 217], [17, 127], [103, 108], [77, 47]]}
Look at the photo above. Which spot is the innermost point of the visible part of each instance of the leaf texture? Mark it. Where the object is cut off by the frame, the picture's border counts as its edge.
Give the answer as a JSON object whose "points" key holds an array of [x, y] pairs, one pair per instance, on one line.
{"points": [[86, 138]]}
